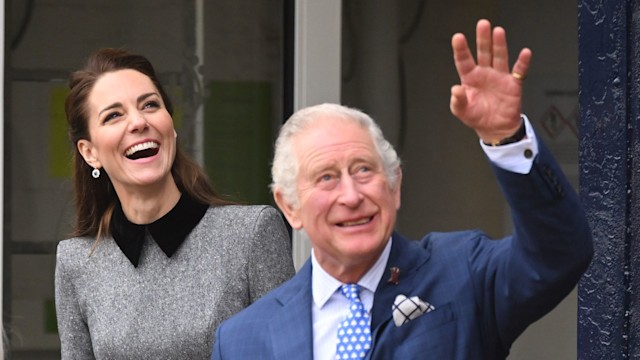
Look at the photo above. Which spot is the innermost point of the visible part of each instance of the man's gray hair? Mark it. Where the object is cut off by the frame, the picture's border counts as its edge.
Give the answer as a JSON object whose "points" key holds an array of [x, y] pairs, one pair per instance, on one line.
{"points": [[284, 170]]}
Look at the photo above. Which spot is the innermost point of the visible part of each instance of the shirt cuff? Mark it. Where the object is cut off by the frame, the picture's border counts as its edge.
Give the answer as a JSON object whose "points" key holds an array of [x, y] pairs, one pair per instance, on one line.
{"points": [[516, 157]]}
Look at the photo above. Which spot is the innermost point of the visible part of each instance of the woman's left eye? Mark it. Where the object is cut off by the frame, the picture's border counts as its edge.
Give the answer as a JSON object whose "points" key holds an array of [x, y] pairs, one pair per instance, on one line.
{"points": [[151, 104]]}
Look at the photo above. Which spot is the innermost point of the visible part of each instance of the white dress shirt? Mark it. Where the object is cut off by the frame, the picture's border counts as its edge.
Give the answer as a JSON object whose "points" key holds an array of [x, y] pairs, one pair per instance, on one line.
{"points": [[517, 157], [330, 307]]}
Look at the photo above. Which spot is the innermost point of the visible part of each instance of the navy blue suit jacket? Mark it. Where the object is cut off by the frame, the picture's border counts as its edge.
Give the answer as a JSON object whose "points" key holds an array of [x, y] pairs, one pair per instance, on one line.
{"points": [[485, 292]]}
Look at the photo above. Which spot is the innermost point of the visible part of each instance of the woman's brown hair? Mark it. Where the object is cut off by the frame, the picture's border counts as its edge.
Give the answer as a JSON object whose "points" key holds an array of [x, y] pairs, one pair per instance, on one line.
{"points": [[95, 199]]}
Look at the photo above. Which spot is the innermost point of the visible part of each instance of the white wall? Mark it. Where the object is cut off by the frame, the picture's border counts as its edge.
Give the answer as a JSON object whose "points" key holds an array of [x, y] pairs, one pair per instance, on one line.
{"points": [[317, 71]]}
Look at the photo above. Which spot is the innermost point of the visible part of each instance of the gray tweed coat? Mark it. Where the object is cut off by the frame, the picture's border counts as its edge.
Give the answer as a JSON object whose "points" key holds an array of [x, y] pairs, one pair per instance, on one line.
{"points": [[168, 308]]}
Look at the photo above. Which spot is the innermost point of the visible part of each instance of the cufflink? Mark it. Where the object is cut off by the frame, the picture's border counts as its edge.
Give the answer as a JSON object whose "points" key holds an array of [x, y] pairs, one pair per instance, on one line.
{"points": [[528, 153]]}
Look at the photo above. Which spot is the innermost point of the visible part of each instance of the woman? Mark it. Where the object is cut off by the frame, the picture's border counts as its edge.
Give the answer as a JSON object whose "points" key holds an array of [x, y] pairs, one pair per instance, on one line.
{"points": [[157, 260]]}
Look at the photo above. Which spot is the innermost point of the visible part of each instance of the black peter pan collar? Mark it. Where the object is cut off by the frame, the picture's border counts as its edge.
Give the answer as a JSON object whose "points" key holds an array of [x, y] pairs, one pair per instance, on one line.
{"points": [[168, 232]]}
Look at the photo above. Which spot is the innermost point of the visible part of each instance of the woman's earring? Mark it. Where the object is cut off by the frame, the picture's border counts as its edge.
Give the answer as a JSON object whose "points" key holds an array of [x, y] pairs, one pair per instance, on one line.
{"points": [[95, 173]]}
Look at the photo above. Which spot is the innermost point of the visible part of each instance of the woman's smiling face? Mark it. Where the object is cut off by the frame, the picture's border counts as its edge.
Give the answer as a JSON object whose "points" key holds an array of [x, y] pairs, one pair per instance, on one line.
{"points": [[131, 132]]}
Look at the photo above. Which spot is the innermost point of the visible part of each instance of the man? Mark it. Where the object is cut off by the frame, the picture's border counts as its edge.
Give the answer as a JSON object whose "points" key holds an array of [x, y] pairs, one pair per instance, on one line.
{"points": [[448, 296]]}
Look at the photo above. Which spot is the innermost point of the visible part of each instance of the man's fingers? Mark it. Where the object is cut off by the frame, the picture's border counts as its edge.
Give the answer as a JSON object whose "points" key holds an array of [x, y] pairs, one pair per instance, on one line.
{"points": [[462, 55], [483, 43], [500, 52], [458, 102], [521, 67]]}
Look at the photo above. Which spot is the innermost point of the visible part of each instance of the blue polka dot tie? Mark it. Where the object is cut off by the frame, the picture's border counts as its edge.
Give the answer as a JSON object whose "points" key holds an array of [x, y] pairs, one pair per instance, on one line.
{"points": [[354, 333]]}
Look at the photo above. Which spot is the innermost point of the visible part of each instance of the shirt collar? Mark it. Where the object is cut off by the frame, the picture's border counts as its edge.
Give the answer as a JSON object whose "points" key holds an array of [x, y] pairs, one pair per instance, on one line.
{"points": [[324, 285], [168, 232]]}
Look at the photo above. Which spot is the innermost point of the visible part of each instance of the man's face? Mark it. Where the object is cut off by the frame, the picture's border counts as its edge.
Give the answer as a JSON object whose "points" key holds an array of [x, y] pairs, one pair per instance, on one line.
{"points": [[346, 205]]}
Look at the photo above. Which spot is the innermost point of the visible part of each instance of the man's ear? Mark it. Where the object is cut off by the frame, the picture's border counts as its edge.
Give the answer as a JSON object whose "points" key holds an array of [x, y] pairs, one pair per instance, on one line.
{"points": [[397, 188], [86, 149], [287, 209]]}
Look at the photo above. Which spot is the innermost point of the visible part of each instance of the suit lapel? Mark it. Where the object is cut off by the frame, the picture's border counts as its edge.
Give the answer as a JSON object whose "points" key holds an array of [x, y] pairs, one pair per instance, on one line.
{"points": [[294, 318], [295, 313], [407, 256]]}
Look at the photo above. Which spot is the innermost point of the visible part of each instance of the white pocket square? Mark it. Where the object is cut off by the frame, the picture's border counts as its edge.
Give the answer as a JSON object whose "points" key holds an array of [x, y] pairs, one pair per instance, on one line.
{"points": [[405, 309]]}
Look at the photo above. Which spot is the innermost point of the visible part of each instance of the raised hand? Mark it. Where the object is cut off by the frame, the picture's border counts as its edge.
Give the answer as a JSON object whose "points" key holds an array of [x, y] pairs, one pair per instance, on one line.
{"points": [[489, 97]]}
